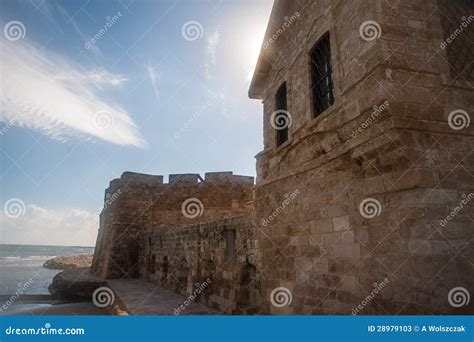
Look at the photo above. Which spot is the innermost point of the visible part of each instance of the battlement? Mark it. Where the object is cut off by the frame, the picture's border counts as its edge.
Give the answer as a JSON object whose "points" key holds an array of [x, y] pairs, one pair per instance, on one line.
{"points": [[185, 179], [137, 203]]}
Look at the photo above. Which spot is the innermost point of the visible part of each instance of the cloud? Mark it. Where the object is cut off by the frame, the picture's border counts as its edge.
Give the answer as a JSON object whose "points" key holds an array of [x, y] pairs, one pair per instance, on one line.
{"points": [[41, 226], [44, 92], [154, 76], [212, 42]]}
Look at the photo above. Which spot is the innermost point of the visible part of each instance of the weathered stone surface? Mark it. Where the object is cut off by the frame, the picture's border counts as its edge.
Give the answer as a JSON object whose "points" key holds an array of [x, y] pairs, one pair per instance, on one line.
{"points": [[302, 226], [139, 297], [66, 262]]}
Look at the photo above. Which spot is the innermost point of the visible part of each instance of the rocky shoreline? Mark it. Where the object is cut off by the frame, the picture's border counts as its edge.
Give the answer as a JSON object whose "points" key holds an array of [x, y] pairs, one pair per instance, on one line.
{"points": [[75, 284], [67, 262]]}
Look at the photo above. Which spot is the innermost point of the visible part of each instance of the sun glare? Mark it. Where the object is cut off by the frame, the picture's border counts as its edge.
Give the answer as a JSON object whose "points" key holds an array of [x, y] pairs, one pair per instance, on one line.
{"points": [[252, 43]]}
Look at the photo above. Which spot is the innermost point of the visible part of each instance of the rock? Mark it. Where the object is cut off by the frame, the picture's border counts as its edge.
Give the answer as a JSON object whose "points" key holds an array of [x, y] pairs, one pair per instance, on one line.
{"points": [[67, 262], [76, 283]]}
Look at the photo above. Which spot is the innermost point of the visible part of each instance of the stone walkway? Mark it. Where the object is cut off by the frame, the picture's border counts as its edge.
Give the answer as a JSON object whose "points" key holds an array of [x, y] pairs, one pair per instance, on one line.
{"points": [[140, 297]]}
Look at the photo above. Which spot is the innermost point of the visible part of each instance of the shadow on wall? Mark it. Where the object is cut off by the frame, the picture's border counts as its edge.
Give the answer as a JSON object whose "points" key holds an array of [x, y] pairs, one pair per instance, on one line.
{"points": [[248, 295]]}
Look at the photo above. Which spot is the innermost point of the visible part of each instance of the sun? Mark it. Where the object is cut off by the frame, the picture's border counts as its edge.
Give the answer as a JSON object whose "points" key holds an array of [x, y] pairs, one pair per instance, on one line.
{"points": [[251, 45]]}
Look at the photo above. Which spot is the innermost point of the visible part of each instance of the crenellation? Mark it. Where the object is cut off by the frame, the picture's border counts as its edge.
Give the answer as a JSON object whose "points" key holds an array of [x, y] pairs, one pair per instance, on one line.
{"points": [[386, 140]]}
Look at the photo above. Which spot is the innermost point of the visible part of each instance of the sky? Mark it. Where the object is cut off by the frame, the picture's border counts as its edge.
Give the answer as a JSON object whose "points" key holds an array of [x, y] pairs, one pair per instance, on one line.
{"points": [[90, 89]]}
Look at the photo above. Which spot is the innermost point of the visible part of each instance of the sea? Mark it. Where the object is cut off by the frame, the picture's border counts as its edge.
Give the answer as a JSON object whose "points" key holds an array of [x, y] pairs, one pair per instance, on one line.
{"points": [[21, 266]]}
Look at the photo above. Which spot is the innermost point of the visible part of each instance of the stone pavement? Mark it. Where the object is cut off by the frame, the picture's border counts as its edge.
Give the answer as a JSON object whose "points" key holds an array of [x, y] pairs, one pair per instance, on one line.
{"points": [[140, 297]]}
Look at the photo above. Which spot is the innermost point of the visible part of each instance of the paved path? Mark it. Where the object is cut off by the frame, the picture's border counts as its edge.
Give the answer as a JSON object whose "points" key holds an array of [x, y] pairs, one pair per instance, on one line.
{"points": [[141, 297]]}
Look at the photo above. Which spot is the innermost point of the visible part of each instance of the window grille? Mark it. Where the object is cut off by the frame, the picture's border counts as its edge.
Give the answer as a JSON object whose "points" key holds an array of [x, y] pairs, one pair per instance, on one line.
{"points": [[457, 20], [282, 116], [321, 75]]}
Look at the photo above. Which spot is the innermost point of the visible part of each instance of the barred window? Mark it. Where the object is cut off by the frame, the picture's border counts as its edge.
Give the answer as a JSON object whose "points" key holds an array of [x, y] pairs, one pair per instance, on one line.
{"points": [[321, 75], [457, 20], [281, 118]]}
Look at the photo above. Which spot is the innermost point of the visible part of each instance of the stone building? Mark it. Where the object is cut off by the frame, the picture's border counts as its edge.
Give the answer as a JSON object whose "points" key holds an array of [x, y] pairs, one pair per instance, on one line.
{"points": [[363, 198]]}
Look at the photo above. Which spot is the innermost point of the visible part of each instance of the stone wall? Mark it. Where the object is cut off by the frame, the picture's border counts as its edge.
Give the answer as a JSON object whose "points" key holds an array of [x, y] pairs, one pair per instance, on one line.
{"points": [[408, 164], [213, 263], [138, 203], [354, 213]]}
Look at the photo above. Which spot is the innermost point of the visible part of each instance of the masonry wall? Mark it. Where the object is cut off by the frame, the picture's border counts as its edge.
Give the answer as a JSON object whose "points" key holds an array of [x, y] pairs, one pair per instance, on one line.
{"points": [[408, 159], [136, 204], [385, 140], [214, 263]]}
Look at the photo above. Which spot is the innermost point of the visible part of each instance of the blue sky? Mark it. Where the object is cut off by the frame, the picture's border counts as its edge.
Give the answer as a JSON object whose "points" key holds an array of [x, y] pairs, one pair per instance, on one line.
{"points": [[162, 89]]}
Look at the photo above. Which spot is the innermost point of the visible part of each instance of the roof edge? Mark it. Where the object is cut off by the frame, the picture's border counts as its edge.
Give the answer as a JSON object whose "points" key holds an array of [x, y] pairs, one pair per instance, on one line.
{"points": [[263, 65]]}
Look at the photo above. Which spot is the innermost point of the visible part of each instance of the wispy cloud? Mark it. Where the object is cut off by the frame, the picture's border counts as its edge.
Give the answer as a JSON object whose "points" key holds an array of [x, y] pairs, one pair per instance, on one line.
{"points": [[154, 77], [44, 92], [212, 42], [42, 226]]}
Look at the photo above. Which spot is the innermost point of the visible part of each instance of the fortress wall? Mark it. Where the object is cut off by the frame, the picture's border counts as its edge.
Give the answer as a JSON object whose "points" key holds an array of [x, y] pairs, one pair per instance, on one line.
{"points": [[138, 203], [215, 263], [385, 140], [405, 156]]}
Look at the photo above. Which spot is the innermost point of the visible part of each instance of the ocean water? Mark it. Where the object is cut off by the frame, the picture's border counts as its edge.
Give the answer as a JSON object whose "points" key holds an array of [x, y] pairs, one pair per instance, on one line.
{"points": [[20, 263]]}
